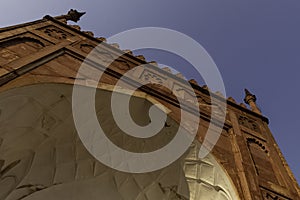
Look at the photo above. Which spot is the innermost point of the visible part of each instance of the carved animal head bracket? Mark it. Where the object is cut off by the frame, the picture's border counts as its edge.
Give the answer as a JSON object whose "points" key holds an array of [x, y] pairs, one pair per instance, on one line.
{"points": [[72, 15]]}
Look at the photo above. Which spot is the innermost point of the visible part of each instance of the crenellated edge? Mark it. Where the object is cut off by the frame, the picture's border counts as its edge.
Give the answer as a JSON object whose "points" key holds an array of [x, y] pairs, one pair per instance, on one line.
{"points": [[165, 70]]}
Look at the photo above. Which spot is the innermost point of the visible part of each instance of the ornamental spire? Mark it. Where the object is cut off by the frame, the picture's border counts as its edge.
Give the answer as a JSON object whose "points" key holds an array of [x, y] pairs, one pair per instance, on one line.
{"points": [[250, 99]]}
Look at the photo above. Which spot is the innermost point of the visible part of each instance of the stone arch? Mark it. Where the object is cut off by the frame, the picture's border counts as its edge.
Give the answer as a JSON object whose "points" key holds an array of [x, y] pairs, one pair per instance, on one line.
{"points": [[19, 40], [261, 159], [258, 143], [39, 148], [57, 166], [15, 48], [207, 179]]}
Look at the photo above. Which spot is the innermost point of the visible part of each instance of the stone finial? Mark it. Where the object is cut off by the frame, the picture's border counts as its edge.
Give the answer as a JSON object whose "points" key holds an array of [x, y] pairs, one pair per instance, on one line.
{"points": [[127, 51], [115, 45], [141, 57], [167, 69], [250, 99], [205, 87], [103, 39], [90, 33], [220, 94], [154, 63], [75, 27], [193, 81], [231, 99], [243, 105], [179, 75], [74, 15]]}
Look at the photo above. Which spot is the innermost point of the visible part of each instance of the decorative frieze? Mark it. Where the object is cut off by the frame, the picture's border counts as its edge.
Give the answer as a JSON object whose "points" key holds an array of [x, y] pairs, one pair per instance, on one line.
{"points": [[149, 76], [56, 32], [248, 123]]}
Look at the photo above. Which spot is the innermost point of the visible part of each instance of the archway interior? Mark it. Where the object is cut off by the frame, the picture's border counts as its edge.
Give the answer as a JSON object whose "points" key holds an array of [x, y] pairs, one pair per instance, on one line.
{"points": [[42, 157]]}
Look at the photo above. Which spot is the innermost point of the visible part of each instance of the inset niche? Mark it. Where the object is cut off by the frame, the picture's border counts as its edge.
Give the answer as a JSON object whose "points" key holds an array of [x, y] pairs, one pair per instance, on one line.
{"points": [[15, 48], [261, 160], [248, 123]]}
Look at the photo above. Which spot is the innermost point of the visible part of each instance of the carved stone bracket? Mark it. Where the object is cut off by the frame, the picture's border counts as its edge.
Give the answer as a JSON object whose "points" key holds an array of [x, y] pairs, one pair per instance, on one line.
{"points": [[72, 15]]}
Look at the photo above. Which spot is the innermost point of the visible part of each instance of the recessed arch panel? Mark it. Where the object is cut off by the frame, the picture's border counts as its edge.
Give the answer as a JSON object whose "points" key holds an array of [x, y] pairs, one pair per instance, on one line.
{"points": [[42, 157]]}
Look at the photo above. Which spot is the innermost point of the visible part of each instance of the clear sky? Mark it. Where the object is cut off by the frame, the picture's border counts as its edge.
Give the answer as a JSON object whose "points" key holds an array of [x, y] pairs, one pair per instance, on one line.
{"points": [[255, 44]]}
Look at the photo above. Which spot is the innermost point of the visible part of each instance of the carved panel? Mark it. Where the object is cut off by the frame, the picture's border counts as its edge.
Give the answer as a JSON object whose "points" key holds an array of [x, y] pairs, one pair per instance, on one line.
{"points": [[65, 65], [121, 64], [269, 195], [248, 123], [7, 56], [15, 48], [86, 48], [149, 76], [184, 93], [56, 32], [102, 55]]}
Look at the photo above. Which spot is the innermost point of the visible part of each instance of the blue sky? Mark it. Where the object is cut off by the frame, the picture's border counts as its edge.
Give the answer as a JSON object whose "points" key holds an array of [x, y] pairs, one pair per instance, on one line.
{"points": [[255, 44]]}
